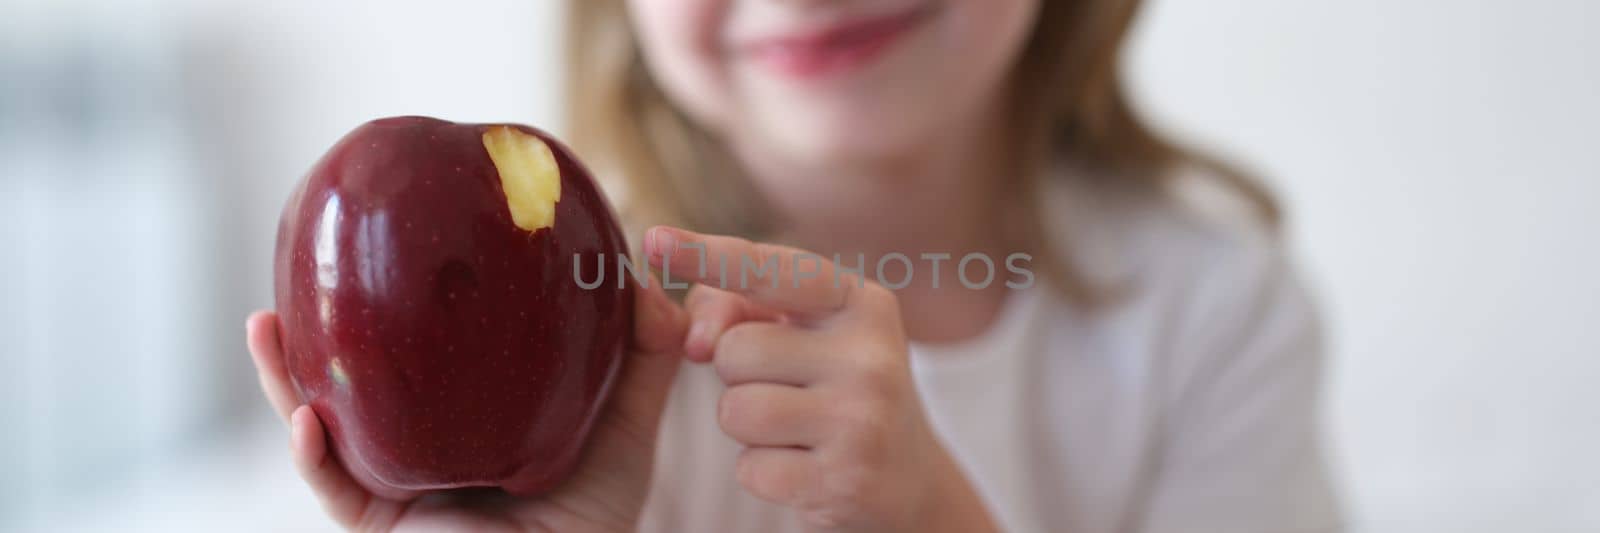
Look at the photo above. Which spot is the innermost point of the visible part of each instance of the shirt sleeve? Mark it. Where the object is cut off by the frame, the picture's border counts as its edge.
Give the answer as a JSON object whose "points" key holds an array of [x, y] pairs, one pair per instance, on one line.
{"points": [[1240, 449]]}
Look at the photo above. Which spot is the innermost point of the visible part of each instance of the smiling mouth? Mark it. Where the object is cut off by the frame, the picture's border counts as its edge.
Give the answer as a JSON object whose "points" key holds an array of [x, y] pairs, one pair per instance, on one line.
{"points": [[838, 48]]}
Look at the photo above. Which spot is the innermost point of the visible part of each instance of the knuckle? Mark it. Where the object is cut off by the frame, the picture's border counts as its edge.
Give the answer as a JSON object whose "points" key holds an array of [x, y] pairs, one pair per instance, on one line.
{"points": [[736, 339], [879, 374], [738, 352], [841, 494], [879, 303], [874, 298], [767, 252], [730, 410], [878, 295], [744, 410], [865, 431], [699, 295], [848, 485], [752, 475], [726, 365], [764, 250], [742, 336], [730, 371], [863, 421]]}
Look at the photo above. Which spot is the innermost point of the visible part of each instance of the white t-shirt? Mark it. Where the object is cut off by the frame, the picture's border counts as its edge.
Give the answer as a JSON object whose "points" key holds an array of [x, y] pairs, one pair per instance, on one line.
{"points": [[1188, 405]]}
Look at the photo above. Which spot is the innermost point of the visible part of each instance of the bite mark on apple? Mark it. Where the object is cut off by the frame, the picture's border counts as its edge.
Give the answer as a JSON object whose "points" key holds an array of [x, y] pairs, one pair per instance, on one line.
{"points": [[529, 174]]}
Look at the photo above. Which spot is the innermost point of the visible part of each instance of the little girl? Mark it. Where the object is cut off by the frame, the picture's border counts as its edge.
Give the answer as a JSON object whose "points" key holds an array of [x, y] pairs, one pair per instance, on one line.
{"points": [[1156, 369]]}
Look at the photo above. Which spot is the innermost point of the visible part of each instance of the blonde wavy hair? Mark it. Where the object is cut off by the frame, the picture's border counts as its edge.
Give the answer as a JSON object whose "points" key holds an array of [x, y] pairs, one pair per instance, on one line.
{"points": [[1068, 103]]}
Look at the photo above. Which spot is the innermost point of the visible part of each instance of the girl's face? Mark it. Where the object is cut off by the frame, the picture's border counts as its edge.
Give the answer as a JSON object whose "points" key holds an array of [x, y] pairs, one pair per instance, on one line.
{"points": [[830, 81]]}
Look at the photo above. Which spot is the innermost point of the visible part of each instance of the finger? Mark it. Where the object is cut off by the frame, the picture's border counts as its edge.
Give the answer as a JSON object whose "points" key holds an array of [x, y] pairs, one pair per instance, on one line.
{"points": [[780, 277], [651, 367], [266, 349], [767, 352], [767, 414], [659, 324], [342, 498], [779, 475], [712, 311]]}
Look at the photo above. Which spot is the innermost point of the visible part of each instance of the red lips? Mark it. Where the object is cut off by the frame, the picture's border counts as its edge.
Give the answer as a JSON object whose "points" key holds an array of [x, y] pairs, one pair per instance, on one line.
{"points": [[836, 48]]}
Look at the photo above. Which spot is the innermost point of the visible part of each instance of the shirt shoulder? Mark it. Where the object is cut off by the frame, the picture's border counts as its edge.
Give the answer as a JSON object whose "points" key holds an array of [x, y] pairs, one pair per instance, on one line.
{"points": [[1194, 266], [1228, 342], [1125, 237]]}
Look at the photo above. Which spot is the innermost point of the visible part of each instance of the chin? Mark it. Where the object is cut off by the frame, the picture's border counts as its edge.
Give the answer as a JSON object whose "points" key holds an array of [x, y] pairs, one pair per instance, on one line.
{"points": [[833, 145]]}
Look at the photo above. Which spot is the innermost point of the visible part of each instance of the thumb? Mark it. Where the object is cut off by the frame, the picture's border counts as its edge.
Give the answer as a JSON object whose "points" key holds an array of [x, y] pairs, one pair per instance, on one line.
{"points": [[652, 363], [614, 478]]}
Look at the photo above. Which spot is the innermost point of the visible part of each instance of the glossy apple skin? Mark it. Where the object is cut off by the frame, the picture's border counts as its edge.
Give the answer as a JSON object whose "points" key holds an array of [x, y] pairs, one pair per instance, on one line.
{"points": [[441, 345]]}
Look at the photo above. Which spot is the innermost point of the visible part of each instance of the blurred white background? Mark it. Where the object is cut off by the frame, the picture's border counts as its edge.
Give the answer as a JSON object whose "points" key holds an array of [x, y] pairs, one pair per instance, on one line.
{"points": [[1437, 158]]}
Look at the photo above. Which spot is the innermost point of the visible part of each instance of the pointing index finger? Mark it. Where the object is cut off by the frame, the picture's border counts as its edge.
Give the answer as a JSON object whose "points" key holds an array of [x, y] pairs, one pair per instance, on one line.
{"points": [[779, 277]]}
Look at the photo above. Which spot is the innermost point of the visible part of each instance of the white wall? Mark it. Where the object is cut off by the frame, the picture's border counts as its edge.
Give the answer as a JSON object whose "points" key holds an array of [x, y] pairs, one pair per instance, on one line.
{"points": [[1439, 161]]}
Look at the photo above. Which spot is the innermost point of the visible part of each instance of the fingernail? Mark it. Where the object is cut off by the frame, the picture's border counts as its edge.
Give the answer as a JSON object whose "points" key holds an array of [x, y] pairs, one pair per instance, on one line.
{"points": [[665, 242], [704, 339], [697, 331], [296, 441]]}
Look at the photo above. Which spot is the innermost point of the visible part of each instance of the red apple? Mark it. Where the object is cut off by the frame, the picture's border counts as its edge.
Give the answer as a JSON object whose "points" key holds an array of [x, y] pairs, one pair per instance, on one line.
{"points": [[430, 311]]}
